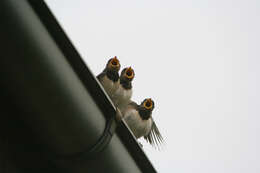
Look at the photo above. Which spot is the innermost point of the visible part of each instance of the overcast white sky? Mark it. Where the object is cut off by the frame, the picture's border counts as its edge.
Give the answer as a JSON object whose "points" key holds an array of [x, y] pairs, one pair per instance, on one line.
{"points": [[199, 60]]}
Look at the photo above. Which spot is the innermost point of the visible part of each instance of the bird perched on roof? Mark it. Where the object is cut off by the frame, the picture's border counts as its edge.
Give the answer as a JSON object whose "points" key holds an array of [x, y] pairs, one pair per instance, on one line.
{"points": [[123, 93], [109, 78], [139, 120]]}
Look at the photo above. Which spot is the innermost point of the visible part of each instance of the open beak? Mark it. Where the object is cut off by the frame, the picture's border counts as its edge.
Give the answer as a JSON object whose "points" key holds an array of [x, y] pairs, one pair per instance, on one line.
{"points": [[115, 62], [148, 104], [129, 73]]}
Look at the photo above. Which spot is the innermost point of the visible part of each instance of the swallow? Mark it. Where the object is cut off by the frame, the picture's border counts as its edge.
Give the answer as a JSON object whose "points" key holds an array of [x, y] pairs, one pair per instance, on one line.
{"points": [[109, 77], [123, 94], [139, 120]]}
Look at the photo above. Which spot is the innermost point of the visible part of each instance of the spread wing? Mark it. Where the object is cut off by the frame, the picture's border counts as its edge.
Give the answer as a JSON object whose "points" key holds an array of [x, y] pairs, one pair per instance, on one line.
{"points": [[154, 137]]}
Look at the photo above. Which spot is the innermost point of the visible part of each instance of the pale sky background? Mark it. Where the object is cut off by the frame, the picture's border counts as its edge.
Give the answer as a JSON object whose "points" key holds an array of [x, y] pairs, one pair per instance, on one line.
{"points": [[199, 61]]}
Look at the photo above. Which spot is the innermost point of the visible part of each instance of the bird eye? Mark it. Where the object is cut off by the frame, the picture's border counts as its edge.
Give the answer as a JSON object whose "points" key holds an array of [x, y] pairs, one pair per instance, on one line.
{"points": [[148, 104]]}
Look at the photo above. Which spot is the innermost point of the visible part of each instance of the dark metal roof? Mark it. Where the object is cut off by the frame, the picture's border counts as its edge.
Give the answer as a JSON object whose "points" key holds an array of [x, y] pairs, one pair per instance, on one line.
{"points": [[58, 107]]}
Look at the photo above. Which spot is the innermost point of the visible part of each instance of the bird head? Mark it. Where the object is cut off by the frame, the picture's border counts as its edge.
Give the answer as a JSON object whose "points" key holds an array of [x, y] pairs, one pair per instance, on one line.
{"points": [[114, 64], [128, 73], [148, 104]]}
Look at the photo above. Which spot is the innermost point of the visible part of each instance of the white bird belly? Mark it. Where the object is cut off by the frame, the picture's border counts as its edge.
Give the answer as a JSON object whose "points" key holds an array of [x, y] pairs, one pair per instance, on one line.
{"points": [[109, 86], [122, 97], [138, 126]]}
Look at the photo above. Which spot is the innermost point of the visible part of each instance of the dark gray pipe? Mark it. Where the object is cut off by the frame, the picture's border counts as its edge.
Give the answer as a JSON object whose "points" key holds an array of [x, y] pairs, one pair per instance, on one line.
{"points": [[58, 106], [58, 103]]}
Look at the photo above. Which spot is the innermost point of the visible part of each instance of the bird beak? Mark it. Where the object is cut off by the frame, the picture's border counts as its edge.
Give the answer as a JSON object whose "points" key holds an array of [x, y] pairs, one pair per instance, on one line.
{"points": [[115, 62], [148, 104], [129, 73]]}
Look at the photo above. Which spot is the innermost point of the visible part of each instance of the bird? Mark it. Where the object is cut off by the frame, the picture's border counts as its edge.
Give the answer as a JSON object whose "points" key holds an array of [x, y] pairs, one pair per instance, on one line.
{"points": [[109, 77], [122, 95], [139, 120]]}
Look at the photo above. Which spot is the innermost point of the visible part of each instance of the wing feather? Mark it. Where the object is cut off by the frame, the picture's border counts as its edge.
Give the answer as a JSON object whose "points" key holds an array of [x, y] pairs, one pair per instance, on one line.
{"points": [[154, 137]]}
